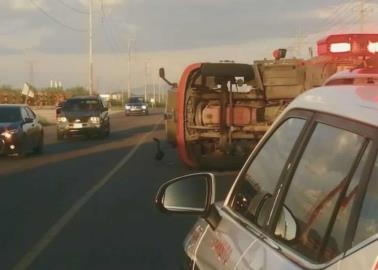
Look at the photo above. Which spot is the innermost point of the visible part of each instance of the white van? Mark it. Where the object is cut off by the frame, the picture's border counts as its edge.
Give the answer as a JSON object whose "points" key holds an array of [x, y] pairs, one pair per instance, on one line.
{"points": [[307, 197]]}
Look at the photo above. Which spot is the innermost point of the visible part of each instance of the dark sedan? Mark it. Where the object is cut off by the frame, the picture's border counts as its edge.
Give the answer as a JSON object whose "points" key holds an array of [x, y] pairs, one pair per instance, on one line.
{"points": [[136, 105], [20, 130], [85, 116]]}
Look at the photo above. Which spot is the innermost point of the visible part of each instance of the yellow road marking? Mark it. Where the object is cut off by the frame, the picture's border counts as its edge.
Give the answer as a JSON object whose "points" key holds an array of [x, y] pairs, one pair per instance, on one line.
{"points": [[54, 231]]}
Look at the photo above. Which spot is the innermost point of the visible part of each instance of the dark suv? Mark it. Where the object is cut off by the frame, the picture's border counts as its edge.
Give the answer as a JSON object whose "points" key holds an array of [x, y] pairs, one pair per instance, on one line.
{"points": [[83, 115], [136, 105]]}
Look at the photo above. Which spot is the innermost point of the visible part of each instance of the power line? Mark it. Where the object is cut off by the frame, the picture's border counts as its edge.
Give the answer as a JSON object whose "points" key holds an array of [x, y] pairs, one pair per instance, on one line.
{"points": [[54, 19], [72, 8]]}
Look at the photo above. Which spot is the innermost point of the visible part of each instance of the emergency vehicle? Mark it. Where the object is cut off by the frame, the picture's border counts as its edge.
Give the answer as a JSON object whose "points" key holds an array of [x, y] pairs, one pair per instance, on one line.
{"points": [[306, 197], [223, 109]]}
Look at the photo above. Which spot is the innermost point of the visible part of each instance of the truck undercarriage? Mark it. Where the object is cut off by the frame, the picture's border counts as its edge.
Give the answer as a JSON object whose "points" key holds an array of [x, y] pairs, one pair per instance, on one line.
{"points": [[226, 114]]}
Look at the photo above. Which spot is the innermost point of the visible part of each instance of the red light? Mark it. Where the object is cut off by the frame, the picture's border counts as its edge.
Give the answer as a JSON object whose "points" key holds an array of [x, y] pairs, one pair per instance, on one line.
{"points": [[348, 45], [373, 47], [340, 47], [280, 53]]}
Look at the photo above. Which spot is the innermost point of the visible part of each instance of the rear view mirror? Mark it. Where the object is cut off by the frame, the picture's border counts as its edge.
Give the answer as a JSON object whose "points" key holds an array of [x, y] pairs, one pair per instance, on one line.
{"points": [[190, 194], [287, 227], [28, 120]]}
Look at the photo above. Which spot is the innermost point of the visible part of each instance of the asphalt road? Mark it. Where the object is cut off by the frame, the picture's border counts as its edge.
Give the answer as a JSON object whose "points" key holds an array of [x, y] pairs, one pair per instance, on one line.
{"points": [[88, 204]]}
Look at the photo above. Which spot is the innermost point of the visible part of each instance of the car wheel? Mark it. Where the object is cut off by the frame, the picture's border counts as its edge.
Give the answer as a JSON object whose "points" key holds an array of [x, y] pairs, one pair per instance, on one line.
{"points": [[21, 151], [107, 133], [146, 113], [39, 148], [59, 136]]}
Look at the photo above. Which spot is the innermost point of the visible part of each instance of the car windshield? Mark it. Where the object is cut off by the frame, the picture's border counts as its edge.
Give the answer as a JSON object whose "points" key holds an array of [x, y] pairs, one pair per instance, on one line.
{"points": [[81, 105], [8, 115], [136, 100]]}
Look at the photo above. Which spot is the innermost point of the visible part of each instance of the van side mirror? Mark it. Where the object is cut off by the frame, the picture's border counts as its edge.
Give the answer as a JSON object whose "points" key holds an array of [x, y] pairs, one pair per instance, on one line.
{"points": [[28, 120], [189, 194]]}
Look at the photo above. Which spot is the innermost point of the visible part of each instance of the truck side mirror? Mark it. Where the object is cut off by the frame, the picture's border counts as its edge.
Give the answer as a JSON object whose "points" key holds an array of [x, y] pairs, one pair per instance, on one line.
{"points": [[161, 73]]}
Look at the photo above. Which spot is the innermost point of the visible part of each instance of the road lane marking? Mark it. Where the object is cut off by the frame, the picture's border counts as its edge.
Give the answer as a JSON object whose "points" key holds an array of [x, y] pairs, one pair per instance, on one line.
{"points": [[54, 231]]}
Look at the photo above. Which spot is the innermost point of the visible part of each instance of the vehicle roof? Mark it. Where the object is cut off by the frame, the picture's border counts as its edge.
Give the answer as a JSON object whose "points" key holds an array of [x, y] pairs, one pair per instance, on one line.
{"points": [[83, 97], [350, 101], [12, 105], [352, 74]]}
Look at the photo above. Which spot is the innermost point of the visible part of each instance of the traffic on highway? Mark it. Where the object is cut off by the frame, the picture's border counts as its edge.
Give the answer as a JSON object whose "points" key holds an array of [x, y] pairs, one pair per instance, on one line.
{"points": [[163, 155]]}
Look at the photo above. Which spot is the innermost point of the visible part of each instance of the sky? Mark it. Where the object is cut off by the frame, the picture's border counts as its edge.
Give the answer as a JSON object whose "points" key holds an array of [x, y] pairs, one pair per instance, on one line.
{"points": [[51, 36]]}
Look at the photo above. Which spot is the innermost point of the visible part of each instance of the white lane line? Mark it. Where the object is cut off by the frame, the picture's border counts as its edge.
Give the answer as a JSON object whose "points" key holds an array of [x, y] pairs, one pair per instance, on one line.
{"points": [[54, 231]]}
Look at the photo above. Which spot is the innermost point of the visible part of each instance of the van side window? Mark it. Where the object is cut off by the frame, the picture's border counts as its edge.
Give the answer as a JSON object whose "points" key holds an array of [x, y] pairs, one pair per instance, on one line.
{"points": [[262, 176], [320, 178], [368, 221]]}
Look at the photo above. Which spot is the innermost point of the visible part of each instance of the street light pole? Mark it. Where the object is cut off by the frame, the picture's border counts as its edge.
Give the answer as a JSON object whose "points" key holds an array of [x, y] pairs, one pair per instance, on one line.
{"points": [[145, 80], [90, 47], [129, 68]]}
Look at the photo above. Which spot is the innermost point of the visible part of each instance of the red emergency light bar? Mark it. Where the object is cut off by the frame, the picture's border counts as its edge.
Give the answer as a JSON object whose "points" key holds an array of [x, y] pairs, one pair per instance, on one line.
{"points": [[349, 45]]}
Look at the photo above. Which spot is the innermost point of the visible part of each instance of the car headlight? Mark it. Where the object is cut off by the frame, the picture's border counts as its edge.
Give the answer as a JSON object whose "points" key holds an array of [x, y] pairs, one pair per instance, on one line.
{"points": [[8, 133], [94, 119], [144, 107], [127, 107], [62, 119]]}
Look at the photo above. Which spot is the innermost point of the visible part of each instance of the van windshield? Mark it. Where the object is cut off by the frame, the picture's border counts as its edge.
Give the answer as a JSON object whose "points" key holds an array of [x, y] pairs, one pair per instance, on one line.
{"points": [[82, 105]]}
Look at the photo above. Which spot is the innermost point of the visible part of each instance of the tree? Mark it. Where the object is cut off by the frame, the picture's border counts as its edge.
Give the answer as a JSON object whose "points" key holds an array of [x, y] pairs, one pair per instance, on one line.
{"points": [[76, 91]]}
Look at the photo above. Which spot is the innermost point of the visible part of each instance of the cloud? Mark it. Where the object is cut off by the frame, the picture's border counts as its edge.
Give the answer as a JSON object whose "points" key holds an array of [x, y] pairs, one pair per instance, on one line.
{"points": [[171, 33]]}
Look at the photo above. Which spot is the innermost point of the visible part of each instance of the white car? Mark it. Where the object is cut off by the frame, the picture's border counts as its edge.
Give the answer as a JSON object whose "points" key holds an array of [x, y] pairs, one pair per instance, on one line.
{"points": [[306, 198], [358, 76]]}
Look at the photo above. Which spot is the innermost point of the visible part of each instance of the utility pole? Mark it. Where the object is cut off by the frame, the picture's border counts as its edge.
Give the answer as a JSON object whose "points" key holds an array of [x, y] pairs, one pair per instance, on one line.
{"points": [[362, 15], [145, 80], [153, 84], [31, 72], [129, 68], [90, 47], [159, 88]]}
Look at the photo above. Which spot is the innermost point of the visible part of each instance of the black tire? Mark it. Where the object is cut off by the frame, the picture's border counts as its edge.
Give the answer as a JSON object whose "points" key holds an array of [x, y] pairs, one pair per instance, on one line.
{"points": [[39, 148], [104, 133], [107, 132], [59, 136], [146, 113], [21, 152]]}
